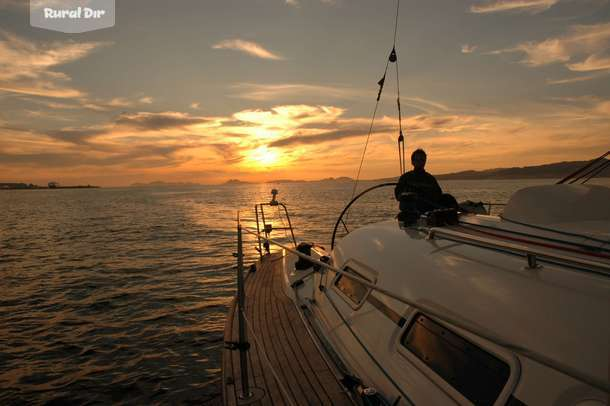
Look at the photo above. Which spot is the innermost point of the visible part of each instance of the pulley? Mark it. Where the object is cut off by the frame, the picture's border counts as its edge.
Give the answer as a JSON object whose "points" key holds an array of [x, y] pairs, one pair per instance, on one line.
{"points": [[393, 56]]}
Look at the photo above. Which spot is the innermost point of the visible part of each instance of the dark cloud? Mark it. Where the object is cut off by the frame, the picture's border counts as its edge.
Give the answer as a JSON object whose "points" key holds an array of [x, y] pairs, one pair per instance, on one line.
{"points": [[143, 156], [327, 136], [228, 152], [158, 121], [75, 136]]}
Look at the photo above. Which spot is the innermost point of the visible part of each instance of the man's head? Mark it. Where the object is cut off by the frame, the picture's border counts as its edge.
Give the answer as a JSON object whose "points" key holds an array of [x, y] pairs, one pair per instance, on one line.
{"points": [[418, 159]]}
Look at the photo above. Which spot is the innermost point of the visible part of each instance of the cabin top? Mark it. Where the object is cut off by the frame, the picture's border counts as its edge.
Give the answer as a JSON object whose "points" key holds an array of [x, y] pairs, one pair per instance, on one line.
{"points": [[583, 208], [542, 308]]}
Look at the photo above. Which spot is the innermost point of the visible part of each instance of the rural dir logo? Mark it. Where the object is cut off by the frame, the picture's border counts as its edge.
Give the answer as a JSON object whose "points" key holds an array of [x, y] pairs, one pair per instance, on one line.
{"points": [[72, 16]]}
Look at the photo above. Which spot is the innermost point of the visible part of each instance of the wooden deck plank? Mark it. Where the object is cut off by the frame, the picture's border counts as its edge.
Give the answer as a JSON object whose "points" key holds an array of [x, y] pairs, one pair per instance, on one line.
{"points": [[295, 377], [270, 385], [273, 390], [271, 346], [310, 386], [308, 355], [281, 344]]}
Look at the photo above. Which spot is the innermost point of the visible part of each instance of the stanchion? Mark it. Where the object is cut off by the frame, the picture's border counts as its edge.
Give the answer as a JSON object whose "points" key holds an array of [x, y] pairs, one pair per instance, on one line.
{"points": [[243, 339]]}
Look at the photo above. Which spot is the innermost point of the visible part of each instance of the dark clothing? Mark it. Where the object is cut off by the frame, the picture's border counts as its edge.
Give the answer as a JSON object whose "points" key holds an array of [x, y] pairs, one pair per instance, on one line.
{"points": [[423, 185]]}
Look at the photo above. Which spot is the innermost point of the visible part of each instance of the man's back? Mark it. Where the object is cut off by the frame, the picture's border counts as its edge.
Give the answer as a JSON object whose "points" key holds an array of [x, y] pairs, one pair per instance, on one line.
{"points": [[421, 183]]}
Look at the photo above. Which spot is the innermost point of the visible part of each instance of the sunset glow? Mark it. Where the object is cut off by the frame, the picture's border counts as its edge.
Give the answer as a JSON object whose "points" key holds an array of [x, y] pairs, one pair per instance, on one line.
{"points": [[211, 103], [263, 157]]}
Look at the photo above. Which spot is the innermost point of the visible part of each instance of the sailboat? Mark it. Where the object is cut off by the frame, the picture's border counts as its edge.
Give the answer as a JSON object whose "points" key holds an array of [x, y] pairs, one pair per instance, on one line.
{"points": [[443, 307]]}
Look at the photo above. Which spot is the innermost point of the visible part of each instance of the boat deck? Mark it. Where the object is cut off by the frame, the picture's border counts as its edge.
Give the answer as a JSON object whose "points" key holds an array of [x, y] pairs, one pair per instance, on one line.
{"points": [[284, 364]]}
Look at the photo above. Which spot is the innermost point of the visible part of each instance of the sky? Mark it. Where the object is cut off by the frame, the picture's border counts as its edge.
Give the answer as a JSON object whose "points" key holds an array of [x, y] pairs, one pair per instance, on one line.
{"points": [[206, 91]]}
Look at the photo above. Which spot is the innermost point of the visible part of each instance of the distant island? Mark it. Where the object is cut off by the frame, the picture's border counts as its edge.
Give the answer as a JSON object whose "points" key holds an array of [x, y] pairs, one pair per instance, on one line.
{"points": [[556, 170], [235, 182], [50, 185], [159, 183]]}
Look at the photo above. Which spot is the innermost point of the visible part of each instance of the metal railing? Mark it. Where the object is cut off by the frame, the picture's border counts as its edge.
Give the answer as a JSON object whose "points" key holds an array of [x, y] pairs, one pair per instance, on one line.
{"points": [[247, 394], [453, 320], [530, 253], [268, 227], [243, 344]]}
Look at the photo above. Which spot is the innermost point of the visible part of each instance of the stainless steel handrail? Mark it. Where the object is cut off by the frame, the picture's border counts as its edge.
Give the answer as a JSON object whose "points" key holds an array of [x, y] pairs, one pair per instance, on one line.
{"points": [[241, 304], [602, 268], [267, 230], [463, 324]]}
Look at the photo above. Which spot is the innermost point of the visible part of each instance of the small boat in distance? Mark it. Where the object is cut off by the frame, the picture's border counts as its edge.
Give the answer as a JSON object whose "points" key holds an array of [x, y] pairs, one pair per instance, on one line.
{"points": [[451, 308]]}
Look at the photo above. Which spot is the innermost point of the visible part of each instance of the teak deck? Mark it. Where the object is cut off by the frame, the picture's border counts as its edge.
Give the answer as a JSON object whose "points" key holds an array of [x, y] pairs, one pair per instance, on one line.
{"points": [[280, 348]]}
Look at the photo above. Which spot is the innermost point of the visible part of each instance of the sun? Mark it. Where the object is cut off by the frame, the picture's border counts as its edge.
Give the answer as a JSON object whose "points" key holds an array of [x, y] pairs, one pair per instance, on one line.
{"points": [[263, 156]]}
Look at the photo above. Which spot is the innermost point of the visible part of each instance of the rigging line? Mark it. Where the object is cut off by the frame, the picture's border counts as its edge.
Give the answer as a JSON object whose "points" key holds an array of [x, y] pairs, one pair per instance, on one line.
{"points": [[592, 169], [366, 143], [381, 83], [401, 139], [580, 170], [396, 22], [596, 172]]}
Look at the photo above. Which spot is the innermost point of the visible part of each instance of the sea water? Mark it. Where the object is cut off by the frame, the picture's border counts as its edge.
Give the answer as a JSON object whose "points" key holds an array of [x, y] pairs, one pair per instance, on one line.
{"points": [[118, 295]]}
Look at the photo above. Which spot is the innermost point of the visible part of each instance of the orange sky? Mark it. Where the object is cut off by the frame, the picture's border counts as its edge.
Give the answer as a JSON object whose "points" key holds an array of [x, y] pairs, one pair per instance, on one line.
{"points": [[88, 108]]}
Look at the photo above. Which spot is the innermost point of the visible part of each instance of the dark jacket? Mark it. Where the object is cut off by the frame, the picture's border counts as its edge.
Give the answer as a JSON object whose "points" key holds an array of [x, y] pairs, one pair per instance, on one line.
{"points": [[420, 182]]}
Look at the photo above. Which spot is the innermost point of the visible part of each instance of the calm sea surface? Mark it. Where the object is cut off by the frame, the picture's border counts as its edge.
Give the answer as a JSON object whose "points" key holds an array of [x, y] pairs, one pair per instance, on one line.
{"points": [[118, 295]]}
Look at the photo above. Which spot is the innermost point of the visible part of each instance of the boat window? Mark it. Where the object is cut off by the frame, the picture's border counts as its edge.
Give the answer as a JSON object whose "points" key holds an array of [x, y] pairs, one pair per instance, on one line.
{"points": [[478, 375], [353, 290]]}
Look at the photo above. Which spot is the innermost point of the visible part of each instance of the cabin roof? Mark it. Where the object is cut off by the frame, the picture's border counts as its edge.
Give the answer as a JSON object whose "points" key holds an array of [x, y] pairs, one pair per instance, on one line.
{"points": [[559, 312]]}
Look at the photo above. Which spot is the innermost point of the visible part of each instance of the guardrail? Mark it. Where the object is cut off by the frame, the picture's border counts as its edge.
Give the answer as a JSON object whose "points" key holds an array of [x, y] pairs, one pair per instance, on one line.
{"points": [[530, 253]]}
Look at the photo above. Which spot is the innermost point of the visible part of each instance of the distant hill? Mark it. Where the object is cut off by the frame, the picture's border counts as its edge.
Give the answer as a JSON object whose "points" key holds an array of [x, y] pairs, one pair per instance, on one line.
{"points": [[159, 183], [555, 171], [235, 182], [339, 179]]}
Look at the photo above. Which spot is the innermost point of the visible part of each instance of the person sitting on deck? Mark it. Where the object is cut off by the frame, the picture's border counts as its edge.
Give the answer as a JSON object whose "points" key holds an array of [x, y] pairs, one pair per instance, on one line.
{"points": [[418, 187]]}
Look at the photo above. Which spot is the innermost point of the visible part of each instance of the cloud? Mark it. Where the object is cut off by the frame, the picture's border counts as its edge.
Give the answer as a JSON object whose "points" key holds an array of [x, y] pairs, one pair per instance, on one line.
{"points": [[195, 105], [27, 67], [589, 108], [264, 92], [178, 145], [250, 48], [327, 136], [424, 104], [468, 49], [159, 121], [575, 79], [99, 105], [297, 3], [518, 6], [592, 63], [112, 104], [75, 135], [581, 49]]}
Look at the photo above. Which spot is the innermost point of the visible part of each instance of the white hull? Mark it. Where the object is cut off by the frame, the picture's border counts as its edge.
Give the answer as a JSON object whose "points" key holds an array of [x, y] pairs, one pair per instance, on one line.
{"points": [[545, 322]]}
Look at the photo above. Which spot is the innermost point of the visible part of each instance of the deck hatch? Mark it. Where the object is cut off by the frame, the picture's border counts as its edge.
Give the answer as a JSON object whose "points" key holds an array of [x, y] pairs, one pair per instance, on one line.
{"points": [[351, 289], [475, 373]]}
